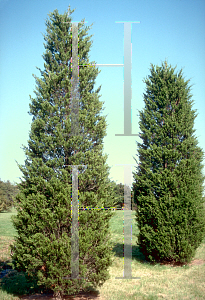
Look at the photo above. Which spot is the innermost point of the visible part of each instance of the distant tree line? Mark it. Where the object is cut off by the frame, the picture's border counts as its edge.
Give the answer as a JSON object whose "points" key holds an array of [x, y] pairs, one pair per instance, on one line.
{"points": [[7, 193], [120, 193], [9, 190]]}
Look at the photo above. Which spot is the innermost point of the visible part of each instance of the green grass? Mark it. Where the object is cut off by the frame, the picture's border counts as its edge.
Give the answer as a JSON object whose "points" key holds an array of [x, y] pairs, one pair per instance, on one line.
{"points": [[156, 281]]}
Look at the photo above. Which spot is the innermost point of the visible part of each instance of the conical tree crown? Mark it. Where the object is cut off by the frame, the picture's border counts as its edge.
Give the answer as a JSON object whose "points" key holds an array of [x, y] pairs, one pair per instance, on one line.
{"points": [[168, 181], [43, 222]]}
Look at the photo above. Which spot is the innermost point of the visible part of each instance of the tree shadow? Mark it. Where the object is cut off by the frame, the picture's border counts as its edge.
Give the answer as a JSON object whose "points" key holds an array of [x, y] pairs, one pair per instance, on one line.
{"points": [[15, 283], [139, 257], [136, 254]]}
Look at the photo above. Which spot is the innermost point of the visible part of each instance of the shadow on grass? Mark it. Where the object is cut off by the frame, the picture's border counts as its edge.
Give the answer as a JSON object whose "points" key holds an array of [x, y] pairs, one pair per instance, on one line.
{"points": [[136, 254], [139, 257], [16, 284]]}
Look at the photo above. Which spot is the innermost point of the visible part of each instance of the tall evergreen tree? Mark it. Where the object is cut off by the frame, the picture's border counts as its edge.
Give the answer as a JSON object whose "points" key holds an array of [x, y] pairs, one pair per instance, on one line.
{"points": [[42, 248], [168, 186]]}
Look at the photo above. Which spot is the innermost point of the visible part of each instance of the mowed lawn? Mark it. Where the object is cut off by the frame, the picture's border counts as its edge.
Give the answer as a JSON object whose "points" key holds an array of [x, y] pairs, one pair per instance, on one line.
{"points": [[156, 281]]}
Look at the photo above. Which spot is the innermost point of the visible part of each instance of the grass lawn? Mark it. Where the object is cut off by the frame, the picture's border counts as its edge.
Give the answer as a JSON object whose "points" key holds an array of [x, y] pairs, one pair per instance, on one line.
{"points": [[156, 281]]}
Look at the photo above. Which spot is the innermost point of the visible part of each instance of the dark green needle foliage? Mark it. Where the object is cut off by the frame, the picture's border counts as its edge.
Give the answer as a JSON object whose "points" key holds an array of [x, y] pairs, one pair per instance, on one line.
{"points": [[168, 185], [43, 221]]}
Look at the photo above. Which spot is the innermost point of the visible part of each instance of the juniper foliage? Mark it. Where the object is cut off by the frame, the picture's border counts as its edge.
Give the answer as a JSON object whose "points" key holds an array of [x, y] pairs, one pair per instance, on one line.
{"points": [[42, 247], [168, 183]]}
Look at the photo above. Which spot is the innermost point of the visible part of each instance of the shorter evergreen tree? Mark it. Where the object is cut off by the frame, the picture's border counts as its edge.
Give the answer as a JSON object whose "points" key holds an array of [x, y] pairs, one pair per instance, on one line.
{"points": [[168, 181]]}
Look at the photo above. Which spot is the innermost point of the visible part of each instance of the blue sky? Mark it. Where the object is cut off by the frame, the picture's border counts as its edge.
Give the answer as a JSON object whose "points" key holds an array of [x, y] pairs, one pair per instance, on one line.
{"points": [[171, 29]]}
